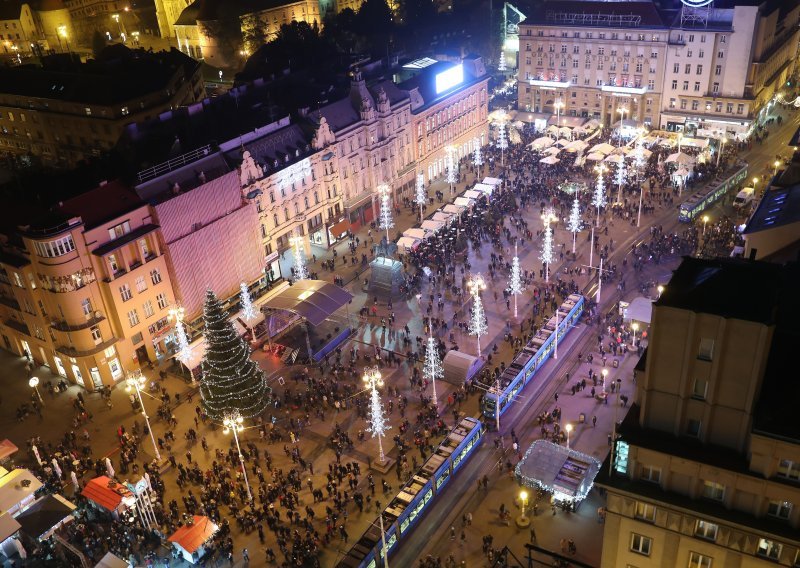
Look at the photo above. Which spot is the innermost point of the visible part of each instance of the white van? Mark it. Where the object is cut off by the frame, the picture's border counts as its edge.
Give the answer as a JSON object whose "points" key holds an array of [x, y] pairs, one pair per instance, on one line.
{"points": [[744, 197]]}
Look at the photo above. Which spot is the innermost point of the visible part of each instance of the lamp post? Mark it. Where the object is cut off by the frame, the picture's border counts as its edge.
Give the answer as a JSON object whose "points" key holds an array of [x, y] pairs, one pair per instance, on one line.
{"points": [[776, 165], [680, 135], [660, 289], [476, 285], [558, 105], [34, 384], [135, 380], [635, 328], [622, 111], [233, 423], [721, 149], [523, 520], [373, 379], [705, 221], [604, 372], [568, 428], [115, 17]]}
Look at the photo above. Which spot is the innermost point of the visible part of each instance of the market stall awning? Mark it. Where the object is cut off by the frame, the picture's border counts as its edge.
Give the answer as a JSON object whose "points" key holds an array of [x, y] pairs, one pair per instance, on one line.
{"points": [[7, 449], [15, 487], [106, 492], [483, 188], [340, 228], [313, 300], [471, 194], [640, 309], [602, 148], [679, 158], [417, 233], [45, 515], [191, 537], [550, 160], [111, 560], [492, 181]]}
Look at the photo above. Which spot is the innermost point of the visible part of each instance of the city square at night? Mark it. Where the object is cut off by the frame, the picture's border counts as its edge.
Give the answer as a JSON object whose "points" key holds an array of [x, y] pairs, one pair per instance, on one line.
{"points": [[399, 282]]}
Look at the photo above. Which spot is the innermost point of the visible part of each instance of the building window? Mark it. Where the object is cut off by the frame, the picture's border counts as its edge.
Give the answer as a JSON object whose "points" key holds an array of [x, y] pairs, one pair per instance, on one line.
{"points": [[86, 305], [697, 86], [713, 490], [715, 88], [672, 103], [641, 544], [88, 111], [683, 104], [723, 39], [113, 264], [125, 292], [162, 301], [693, 428], [125, 111], [780, 509], [55, 248], [697, 560], [718, 70], [729, 108], [706, 530], [789, 470], [675, 83], [686, 85], [695, 104], [155, 276], [699, 69], [148, 309], [645, 511], [769, 549], [118, 230], [141, 285], [740, 108], [706, 350], [676, 68], [688, 68], [699, 389], [133, 317], [651, 84], [650, 473], [96, 335]]}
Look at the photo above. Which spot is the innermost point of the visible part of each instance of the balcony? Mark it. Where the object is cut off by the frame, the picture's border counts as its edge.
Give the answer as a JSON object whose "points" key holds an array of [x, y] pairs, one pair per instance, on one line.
{"points": [[62, 325], [17, 325], [70, 351], [117, 274], [10, 302]]}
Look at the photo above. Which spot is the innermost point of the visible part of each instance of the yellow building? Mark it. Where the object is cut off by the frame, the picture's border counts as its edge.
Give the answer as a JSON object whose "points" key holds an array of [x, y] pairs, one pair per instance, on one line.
{"points": [[85, 290], [64, 114], [707, 463], [18, 30]]}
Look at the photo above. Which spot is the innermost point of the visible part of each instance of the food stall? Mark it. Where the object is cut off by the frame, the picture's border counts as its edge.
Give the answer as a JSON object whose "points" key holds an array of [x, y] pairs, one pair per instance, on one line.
{"points": [[109, 496], [191, 539]]}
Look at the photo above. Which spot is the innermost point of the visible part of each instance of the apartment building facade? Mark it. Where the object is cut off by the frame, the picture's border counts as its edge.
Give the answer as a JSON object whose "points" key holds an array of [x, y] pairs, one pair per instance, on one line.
{"points": [[84, 290], [705, 470], [454, 117], [66, 112], [709, 71]]}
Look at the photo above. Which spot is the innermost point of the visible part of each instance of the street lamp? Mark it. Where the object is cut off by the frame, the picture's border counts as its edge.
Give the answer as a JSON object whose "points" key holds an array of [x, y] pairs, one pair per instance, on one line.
{"points": [[635, 328], [558, 105], [621, 111], [605, 374], [34, 384], [136, 380], [568, 428], [523, 520], [660, 289], [115, 17], [233, 423], [721, 149], [705, 221], [680, 135], [777, 165], [62, 33], [374, 380]]}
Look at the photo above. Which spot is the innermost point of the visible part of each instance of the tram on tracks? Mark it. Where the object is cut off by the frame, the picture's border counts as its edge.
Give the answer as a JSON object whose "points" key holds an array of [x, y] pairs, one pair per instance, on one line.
{"points": [[532, 357], [411, 502], [710, 194]]}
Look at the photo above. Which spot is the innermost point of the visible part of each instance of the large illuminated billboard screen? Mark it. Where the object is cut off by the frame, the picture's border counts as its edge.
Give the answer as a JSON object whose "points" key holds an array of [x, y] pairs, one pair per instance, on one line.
{"points": [[450, 78]]}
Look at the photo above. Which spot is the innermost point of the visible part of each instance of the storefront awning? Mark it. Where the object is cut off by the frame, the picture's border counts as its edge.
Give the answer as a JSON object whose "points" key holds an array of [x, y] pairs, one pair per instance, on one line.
{"points": [[340, 228]]}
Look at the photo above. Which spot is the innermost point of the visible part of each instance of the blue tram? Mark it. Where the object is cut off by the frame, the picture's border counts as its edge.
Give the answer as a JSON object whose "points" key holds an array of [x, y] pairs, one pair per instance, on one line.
{"points": [[408, 506], [533, 356]]}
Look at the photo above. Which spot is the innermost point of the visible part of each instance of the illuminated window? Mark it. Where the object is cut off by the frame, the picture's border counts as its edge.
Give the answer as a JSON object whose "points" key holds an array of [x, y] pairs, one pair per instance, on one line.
{"points": [[706, 530], [769, 549], [697, 560], [713, 490], [641, 544], [645, 511]]}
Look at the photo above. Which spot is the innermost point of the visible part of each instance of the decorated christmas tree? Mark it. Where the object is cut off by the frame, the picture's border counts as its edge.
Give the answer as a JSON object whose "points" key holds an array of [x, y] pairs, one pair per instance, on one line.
{"points": [[232, 382]]}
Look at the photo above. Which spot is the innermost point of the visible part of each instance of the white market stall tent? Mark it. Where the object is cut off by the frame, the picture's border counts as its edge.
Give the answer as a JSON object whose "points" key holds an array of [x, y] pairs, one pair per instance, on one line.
{"points": [[549, 160], [417, 233], [464, 202], [595, 157], [453, 209], [496, 182], [679, 158], [472, 194], [442, 217], [407, 244], [483, 188], [432, 226], [541, 143], [640, 310], [17, 490], [602, 148]]}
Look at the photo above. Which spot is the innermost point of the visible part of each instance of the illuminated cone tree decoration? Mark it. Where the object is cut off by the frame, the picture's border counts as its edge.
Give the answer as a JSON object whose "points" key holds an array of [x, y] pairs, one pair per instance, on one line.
{"points": [[231, 382]]}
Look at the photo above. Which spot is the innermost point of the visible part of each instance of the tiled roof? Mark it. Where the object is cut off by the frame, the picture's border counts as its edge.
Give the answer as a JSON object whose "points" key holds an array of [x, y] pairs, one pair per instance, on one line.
{"points": [[105, 492], [191, 537]]}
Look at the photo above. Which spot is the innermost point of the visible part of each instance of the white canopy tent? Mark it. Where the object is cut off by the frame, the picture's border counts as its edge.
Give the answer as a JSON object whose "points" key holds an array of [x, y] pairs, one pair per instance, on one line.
{"points": [[417, 233], [442, 217], [694, 142], [432, 226], [640, 309], [577, 146], [453, 209], [595, 157], [552, 151], [483, 188], [562, 142], [541, 143], [565, 132], [497, 182], [472, 194], [464, 202], [549, 160], [602, 148], [679, 158], [615, 158], [407, 244]]}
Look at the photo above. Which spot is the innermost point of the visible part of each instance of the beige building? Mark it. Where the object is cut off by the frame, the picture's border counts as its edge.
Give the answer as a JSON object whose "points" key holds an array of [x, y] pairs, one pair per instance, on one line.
{"points": [[455, 117], [36, 26], [86, 290], [593, 59], [63, 115], [708, 70], [707, 462]]}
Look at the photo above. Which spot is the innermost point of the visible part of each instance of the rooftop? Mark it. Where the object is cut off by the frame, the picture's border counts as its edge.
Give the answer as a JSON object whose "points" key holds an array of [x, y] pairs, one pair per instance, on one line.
{"points": [[123, 75], [778, 207], [623, 15], [727, 287], [101, 204], [425, 81]]}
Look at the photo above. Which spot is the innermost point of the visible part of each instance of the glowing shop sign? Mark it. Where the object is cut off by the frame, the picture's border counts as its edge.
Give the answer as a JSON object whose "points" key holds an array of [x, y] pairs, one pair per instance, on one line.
{"points": [[450, 78]]}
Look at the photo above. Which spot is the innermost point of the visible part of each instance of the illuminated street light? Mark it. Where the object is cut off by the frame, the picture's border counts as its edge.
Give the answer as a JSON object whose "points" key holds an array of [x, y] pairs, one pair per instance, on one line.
{"points": [[378, 426], [568, 428], [705, 221], [136, 380], [635, 328], [660, 289], [605, 374], [523, 520], [233, 423], [33, 382], [558, 106]]}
